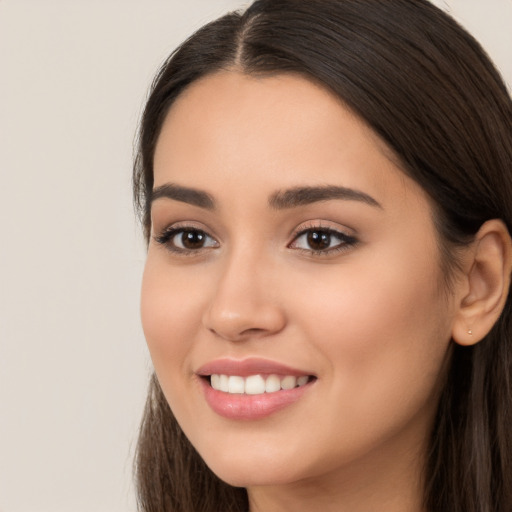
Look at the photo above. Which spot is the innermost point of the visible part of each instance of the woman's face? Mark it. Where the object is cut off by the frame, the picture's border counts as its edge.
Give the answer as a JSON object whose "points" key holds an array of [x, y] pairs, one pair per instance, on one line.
{"points": [[292, 259]]}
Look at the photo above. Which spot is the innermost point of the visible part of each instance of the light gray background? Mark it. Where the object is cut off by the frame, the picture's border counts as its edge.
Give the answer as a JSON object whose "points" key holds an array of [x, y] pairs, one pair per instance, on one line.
{"points": [[73, 364]]}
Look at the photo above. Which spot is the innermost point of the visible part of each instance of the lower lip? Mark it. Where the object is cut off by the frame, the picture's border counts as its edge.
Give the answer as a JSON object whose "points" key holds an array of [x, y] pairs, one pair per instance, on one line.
{"points": [[251, 407]]}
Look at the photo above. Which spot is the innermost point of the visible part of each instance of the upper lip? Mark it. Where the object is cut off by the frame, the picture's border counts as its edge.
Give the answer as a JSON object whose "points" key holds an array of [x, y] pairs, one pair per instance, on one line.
{"points": [[246, 367]]}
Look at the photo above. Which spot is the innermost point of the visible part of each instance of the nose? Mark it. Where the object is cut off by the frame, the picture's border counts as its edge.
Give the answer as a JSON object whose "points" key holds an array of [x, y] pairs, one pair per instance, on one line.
{"points": [[244, 304]]}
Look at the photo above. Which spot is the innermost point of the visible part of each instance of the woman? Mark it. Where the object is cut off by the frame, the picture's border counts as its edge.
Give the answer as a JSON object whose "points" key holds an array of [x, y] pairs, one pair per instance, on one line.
{"points": [[325, 188]]}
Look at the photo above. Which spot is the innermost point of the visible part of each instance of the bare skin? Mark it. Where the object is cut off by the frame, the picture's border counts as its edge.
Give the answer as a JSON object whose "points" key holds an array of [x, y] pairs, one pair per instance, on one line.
{"points": [[344, 286]]}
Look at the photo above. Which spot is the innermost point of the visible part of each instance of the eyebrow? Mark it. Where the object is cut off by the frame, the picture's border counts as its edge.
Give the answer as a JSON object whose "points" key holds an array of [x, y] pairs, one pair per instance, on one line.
{"points": [[184, 194], [280, 200], [301, 196]]}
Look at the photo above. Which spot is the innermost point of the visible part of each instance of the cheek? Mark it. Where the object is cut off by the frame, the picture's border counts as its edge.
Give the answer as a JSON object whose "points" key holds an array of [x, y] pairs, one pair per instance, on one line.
{"points": [[170, 312], [367, 300], [385, 331], [171, 318]]}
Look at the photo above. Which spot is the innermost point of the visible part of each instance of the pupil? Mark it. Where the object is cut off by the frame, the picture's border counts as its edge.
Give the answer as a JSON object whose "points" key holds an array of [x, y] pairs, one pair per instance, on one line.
{"points": [[319, 240], [192, 239]]}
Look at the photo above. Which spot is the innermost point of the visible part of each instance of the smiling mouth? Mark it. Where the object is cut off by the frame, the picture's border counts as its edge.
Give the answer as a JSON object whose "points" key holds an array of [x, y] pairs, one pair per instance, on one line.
{"points": [[256, 384]]}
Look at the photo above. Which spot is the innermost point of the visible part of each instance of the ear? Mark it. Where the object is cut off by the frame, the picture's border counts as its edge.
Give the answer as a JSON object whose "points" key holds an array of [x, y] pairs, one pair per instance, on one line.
{"points": [[485, 283]]}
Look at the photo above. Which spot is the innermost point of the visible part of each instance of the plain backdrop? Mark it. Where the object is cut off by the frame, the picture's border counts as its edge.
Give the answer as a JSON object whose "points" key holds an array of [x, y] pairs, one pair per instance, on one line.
{"points": [[73, 363]]}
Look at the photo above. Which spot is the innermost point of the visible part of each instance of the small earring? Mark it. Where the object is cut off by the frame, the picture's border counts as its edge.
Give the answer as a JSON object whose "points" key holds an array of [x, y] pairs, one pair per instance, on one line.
{"points": [[470, 332]]}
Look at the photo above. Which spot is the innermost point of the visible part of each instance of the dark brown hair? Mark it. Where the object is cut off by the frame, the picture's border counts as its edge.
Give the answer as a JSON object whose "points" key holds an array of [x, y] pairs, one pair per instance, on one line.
{"points": [[431, 93]]}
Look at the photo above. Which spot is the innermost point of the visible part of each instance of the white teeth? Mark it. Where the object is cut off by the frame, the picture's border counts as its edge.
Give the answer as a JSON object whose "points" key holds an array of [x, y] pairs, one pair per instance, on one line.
{"points": [[223, 384], [215, 381], [272, 384], [236, 385], [302, 380], [289, 382], [255, 384]]}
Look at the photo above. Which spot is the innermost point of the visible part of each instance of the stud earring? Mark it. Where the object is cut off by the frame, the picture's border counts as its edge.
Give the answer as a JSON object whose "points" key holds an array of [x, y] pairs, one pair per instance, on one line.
{"points": [[470, 332]]}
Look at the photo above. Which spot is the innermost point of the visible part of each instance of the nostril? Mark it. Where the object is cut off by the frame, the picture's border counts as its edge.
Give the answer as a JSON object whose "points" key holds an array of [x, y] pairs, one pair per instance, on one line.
{"points": [[252, 332], [231, 333]]}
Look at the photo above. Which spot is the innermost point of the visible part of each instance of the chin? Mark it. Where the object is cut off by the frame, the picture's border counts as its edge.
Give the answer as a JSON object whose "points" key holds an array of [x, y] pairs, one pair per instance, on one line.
{"points": [[252, 471], [247, 477]]}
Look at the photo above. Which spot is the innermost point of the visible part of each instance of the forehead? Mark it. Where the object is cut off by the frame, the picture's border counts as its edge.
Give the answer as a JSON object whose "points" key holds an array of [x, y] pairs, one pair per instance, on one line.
{"points": [[276, 131]]}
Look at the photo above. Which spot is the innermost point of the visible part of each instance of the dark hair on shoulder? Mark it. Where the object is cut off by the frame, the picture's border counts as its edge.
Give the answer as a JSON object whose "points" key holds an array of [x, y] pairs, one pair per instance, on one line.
{"points": [[427, 88]]}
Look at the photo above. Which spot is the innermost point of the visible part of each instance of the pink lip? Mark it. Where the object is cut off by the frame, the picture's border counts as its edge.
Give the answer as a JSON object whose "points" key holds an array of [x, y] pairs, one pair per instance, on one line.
{"points": [[246, 367], [249, 407]]}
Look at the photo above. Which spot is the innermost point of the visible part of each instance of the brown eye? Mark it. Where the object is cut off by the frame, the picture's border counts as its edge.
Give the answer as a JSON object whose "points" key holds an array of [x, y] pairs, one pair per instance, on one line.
{"points": [[190, 240], [319, 240], [186, 240], [322, 241]]}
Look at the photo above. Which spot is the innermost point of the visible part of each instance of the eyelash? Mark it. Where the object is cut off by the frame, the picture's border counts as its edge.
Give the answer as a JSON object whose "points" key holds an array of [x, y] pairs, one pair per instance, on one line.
{"points": [[345, 241], [166, 239]]}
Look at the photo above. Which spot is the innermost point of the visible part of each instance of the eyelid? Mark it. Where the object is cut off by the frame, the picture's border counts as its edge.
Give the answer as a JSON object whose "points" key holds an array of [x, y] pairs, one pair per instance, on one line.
{"points": [[164, 237], [347, 240], [324, 225], [169, 226]]}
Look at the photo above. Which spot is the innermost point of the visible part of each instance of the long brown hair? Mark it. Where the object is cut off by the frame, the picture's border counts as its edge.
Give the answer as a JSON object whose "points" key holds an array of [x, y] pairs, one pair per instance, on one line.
{"points": [[431, 93]]}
